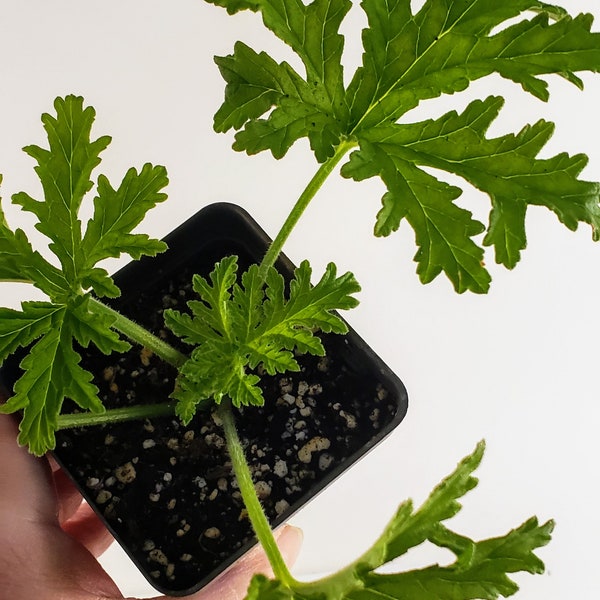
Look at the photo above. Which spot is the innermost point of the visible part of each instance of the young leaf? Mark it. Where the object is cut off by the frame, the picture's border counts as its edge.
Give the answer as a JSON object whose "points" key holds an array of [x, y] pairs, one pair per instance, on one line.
{"points": [[409, 58], [289, 323], [236, 327], [480, 570]]}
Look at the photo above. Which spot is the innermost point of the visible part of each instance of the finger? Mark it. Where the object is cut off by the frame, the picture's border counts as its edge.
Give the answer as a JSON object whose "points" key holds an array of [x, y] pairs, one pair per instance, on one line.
{"points": [[69, 497], [25, 481], [233, 583], [289, 540], [86, 527], [76, 517]]}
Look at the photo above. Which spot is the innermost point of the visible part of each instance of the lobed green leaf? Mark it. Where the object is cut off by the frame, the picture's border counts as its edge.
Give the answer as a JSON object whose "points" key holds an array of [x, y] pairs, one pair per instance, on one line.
{"points": [[64, 171], [234, 6], [51, 373], [20, 262], [19, 328], [306, 106], [118, 212], [88, 326], [480, 570], [237, 326], [444, 232], [410, 57]]}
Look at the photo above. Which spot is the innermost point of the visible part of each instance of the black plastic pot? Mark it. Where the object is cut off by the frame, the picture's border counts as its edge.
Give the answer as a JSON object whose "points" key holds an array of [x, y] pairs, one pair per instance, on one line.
{"points": [[166, 492]]}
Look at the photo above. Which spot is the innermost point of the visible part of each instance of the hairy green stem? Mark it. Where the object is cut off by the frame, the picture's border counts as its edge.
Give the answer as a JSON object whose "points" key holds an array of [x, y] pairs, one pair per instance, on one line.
{"points": [[301, 205], [116, 415], [335, 584], [256, 513], [140, 335]]}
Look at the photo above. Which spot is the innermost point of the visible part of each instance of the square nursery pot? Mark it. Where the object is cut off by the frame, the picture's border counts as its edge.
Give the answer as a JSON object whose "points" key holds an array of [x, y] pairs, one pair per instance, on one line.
{"points": [[166, 492]]}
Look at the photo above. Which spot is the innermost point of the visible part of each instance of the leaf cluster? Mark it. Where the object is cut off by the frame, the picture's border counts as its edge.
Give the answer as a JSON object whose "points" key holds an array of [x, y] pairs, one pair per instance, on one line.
{"points": [[409, 58], [480, 571], [237, 327], [52, 328]]}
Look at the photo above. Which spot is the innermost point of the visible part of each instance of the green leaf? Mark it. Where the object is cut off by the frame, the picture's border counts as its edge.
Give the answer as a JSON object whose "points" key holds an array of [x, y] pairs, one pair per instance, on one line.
{"points": [[51, 374], [20, 262], [506, 168], [444, 232], [64, 171], [234, 6], [290, 322], [240, 326], [118, 212], [19, 328], [90, 327], [9, 254], [263, 588], [409, 58], [51, 369], [481, 569], [244, 391], [446, 45], [214, 310], [98, 279], [409, 529], [306, 106]]}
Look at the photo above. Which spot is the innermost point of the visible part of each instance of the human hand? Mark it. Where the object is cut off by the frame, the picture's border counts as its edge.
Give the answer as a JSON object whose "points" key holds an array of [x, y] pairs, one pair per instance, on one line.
{"points": [[50, 538]]}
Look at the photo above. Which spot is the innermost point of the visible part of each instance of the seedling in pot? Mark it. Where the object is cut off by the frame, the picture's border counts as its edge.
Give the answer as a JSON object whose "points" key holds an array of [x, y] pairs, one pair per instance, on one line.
{"points": [[243, 324]]}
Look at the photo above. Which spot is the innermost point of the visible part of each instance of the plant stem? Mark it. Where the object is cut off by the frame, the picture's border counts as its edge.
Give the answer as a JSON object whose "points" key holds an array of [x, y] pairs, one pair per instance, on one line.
{"points": [[302, 203], [140, 335], [116, 415], [256, 513]]}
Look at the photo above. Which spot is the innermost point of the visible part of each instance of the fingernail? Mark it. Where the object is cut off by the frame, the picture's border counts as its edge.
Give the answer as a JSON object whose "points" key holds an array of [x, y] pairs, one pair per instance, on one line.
{"points": [[289, 534]]}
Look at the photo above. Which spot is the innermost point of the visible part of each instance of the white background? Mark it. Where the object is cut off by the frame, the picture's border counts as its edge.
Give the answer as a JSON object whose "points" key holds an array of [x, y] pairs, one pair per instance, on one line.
{"points": [[517, 367]]}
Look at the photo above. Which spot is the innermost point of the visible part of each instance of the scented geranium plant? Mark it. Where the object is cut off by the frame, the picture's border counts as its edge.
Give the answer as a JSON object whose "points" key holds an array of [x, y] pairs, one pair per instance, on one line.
{"points": [[243, 324]]}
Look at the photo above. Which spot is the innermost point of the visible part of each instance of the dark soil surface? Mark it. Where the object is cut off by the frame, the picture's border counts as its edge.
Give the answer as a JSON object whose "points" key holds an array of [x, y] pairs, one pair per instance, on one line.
{"points": [[168, 492]]}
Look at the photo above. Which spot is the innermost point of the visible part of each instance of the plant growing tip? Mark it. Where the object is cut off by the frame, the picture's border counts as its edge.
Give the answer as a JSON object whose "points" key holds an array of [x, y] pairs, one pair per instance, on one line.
{"points": [[236, 328]]}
